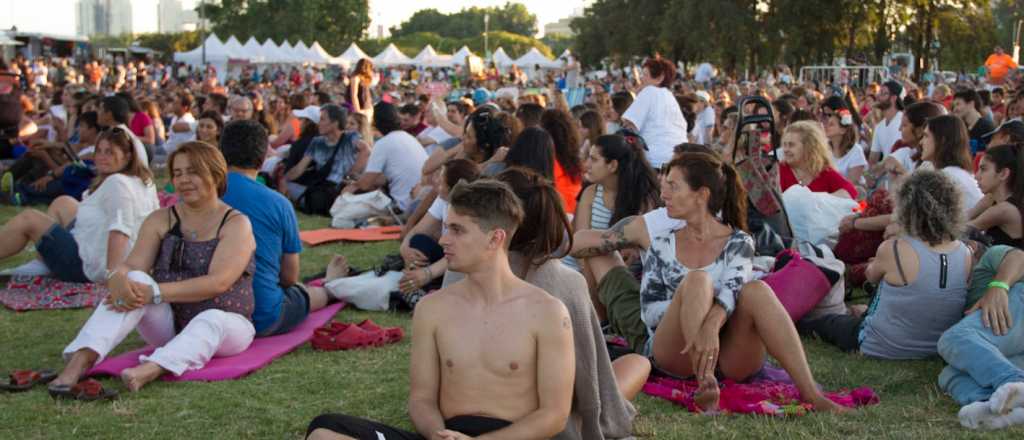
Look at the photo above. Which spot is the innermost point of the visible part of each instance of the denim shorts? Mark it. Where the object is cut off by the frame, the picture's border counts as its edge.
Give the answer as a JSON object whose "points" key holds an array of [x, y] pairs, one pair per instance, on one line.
{"points": [[294, 309], [59, 251]]}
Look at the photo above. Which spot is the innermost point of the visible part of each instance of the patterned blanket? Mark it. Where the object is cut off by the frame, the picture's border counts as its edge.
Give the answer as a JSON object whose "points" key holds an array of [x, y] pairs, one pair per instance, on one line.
{"points": [[43, 293]]}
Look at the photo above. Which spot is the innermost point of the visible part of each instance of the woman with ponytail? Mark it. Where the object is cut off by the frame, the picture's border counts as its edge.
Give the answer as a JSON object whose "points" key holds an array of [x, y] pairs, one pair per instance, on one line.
{"points": [[603, 388], [998, 214], [697, 312]]}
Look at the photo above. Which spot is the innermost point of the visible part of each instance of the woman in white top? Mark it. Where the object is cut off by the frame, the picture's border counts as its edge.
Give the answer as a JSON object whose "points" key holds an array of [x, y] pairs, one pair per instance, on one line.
{"points": [[79, 242], [946, 148], [842, 137], [655, 113]]}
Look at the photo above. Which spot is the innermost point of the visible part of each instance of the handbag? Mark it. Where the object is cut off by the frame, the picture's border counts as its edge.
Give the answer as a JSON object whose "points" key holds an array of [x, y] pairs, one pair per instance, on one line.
{"points": [[349, 209], [320, 192]]}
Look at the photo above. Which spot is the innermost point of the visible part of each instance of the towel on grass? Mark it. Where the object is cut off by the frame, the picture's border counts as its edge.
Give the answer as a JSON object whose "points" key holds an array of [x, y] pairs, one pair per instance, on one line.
{"points": [[43, 293], [321, 236]]}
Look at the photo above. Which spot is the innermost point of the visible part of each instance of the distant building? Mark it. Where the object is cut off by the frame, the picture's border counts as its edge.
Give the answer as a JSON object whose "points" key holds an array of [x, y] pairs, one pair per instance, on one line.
{"points": [[103, 17], [169, 16], [561, 27]]}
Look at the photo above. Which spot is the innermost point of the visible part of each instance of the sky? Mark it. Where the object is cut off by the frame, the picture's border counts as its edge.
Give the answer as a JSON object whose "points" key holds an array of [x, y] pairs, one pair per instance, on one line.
{"points": [[60, 14]]}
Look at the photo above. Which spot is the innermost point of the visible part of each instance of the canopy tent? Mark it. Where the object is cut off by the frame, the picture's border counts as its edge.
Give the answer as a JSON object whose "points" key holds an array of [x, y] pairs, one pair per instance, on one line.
{"points": [[235, 49], [325, 57], [302, 52], [428, 57], [8, 41], [391, 56], [288, 54], [535, 58], [268, 50], [460, 56], [215, 53], [501, 59], [352, 55], [253, 50]]}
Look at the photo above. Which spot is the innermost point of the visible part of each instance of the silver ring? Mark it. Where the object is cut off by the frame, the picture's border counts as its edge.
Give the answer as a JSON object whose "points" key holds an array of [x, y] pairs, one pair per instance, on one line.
{"points": [[119, 302]]}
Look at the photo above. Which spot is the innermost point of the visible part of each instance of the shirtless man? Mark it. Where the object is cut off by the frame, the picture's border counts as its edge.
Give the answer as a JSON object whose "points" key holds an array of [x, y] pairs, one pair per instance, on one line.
{"points": [[492, 356]]}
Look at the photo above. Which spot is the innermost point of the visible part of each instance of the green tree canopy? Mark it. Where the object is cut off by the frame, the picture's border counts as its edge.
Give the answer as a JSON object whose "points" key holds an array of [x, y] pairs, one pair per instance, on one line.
{"points": [[469, 22], [335, 23]]}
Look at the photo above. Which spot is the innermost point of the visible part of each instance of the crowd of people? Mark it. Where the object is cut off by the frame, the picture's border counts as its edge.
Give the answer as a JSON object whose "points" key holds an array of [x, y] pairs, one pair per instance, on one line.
{"points": [[533, 230]]}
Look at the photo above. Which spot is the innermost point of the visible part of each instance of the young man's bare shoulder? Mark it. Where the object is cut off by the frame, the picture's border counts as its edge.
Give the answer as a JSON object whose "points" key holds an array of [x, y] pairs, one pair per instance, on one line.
{"points": [[546, 308]]}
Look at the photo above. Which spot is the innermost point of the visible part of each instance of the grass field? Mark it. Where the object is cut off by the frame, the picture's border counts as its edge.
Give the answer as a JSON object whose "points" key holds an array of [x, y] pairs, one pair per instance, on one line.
{"points": [[278, 401]]}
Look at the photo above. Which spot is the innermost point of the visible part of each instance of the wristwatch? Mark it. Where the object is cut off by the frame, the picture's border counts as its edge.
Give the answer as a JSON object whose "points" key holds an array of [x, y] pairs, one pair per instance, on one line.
{"points": [[157, 299]]}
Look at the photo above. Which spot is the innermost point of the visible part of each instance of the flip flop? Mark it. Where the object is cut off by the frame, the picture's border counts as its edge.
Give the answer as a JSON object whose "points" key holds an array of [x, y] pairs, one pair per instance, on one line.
{"points": [[350, 337], [24, 380], [88, 390], [391, 334]]}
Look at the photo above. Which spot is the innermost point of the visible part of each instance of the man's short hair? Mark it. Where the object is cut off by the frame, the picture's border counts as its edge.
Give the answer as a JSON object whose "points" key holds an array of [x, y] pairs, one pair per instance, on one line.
{"points": [[492, 204], [244, 144], [530, 114], [118, 108], [460, 107], [337, 114], [969, 96], [221, 101], [385, 118], [621, 101], [90, 119], [410, 110], [185, 100]]}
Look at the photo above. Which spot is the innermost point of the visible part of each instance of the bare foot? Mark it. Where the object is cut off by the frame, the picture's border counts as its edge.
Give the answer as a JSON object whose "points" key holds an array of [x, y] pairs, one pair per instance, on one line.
{"points": [[824, 404], [707, 395], [337, 268], [136, 377], [80, 362], [858, 310]]}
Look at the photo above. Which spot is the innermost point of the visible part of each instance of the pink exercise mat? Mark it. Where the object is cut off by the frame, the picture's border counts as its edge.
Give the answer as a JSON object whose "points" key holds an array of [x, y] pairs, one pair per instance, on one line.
{"points": [[258, 355]]}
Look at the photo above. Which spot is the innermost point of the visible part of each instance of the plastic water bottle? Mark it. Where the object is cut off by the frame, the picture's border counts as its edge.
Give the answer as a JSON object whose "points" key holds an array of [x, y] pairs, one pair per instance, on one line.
{"points": [[169, 188]]}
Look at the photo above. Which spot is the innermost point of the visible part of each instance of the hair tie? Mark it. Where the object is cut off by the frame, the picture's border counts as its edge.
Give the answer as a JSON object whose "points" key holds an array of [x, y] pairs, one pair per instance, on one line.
{"points": [[845, 118]]}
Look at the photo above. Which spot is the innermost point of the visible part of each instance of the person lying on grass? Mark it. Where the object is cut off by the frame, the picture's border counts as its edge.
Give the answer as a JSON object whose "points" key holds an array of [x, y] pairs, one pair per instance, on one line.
{"points": [[603, 389], [80, 241], [492, 355], [186, 287], [984, 350], [922, 276], [696, 311]]}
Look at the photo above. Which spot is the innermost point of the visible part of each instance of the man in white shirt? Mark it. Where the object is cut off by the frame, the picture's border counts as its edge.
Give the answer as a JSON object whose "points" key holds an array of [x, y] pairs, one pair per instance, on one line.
{"points": [[887, 132], [705, 71], [396, 160], [183, 124], [114, 112], [705, 121]]}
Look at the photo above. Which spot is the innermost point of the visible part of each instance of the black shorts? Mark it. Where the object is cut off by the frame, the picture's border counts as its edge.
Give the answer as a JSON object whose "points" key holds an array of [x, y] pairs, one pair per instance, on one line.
{"points": [[294, 310], [363, 429]]}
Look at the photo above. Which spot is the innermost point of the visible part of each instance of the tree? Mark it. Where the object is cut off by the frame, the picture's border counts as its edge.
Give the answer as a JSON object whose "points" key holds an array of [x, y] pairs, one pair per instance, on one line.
{"points": [[469, 22], [335, 23]]}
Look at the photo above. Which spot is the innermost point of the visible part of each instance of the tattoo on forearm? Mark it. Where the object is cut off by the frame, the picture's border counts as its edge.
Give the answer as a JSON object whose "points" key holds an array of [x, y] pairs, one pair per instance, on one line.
{"points": [[611, 240]]}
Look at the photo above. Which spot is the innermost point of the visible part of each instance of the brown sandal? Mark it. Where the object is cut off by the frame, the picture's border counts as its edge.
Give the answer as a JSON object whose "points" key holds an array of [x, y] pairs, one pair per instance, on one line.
{"points": [[88, 390], [24, 380]]}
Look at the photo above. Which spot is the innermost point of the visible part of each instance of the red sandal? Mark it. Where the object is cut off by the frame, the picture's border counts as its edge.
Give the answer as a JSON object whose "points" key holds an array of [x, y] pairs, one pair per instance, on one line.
{"points": [[24, 380], [349, 336], [88, 390], [391, 334]]}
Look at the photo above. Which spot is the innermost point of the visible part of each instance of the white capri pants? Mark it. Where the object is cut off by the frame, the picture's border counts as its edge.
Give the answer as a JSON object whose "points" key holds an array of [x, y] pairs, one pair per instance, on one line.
{"points": [[212, 333]]}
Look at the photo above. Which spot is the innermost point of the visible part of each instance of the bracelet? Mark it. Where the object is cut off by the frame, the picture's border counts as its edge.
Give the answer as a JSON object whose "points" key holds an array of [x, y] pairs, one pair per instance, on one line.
{"points": [[430, 275], [999, 284]]}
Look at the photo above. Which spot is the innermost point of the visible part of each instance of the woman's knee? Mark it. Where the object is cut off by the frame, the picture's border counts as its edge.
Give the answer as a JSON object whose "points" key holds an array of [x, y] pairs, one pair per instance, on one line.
{"points": [[32, 222], [632, 365], [755, 293], [696, 283]]}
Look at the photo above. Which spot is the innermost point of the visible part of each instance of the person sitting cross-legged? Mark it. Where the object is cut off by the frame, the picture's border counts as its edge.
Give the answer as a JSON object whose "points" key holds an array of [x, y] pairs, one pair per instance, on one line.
{"points": [[186, 287], [491, 353], [697, 312]]}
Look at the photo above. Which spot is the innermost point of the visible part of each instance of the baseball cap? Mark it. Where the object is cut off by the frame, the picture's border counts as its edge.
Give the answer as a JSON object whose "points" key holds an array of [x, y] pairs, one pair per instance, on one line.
{"points": [[311, 112], [703, 95], [1014, 126]]}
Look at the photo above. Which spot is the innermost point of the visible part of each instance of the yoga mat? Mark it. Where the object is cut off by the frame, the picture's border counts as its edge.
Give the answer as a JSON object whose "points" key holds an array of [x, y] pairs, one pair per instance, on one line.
{"points": [[771, 392], [258, 355], [42, 293], [321, 236]]}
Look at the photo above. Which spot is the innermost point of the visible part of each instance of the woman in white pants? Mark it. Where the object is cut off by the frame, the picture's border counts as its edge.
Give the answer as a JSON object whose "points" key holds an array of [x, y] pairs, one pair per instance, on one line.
{"points": [[186, 286]]}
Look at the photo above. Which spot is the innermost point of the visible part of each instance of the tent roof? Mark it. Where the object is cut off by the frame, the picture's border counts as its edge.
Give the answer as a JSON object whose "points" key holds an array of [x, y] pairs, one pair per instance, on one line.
{"points": [[428, 57], [501, 58], [391, 56], [353, 54], [253, 50], [534, 57]]}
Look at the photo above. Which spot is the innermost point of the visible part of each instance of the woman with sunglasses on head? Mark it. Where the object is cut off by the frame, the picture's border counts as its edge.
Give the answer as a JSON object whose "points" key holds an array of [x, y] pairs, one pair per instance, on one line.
{"points": [[186, 286], [80, 241]]}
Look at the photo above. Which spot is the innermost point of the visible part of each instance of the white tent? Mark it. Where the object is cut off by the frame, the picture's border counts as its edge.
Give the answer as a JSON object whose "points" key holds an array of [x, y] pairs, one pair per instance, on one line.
{"points": [[501, 58], [288, 54], [391, 56], [253, 50], [428, 57], [352, 55], [215, 53], [535, 58], [235, 49], [460, 56], [268, 50], [322, 56], [8, 41], [302, 51]]}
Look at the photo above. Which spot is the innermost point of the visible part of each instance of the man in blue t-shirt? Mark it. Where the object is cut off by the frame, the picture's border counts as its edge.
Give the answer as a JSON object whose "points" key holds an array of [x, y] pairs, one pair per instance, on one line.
{"points": [[282, 302]]}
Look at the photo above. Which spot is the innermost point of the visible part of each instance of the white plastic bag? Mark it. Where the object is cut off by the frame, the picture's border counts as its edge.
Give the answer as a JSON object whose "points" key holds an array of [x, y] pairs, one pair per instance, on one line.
{"points": [[349, 209], [815, 216], [366, 291]]}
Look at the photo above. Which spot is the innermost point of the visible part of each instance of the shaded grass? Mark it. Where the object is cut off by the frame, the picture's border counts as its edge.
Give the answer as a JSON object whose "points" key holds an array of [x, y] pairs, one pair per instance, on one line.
{"points": [[279, 401]]}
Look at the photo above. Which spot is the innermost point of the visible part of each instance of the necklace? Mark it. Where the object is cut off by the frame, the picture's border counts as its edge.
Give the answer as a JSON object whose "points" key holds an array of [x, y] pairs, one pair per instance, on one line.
{"points": [[194, 232]]}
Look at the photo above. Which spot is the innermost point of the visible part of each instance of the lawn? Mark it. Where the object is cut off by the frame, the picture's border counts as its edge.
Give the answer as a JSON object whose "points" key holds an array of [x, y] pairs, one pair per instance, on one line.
{"points": [[278, 401]]}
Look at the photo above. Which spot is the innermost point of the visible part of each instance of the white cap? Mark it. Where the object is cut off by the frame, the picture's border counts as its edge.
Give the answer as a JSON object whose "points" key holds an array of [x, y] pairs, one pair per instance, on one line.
{"points": [[312, 113], [703, 95]]}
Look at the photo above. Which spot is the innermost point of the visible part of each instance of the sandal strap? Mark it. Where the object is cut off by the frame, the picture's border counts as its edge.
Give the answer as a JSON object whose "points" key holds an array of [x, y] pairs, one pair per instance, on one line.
{"points": [[24, 377], [87, 388]]}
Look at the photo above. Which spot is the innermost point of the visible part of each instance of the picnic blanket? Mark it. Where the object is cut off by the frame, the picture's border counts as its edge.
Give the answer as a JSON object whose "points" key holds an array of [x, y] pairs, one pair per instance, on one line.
{"points": [[44, 293], [328, 235], [258, 355], [770, 393]]}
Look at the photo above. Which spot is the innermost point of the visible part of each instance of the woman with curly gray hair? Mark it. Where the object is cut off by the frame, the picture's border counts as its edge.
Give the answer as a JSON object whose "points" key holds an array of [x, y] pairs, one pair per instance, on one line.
{"points": [[922, 277]]}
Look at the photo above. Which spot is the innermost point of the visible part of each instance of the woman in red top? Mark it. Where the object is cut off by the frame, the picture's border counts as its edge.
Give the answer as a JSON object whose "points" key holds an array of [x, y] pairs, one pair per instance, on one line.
{"points": [[568, 166], [808, 161]]}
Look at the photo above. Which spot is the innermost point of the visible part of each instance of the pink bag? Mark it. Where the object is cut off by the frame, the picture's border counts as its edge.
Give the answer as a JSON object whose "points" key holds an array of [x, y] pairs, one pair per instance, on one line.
{"points": [[799, 285]]}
